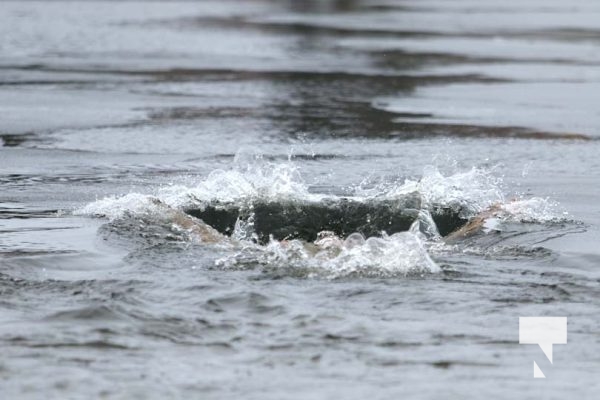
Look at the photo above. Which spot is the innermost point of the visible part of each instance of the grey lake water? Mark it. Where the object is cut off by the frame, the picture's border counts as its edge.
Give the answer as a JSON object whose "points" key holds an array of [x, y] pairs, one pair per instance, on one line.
{"points": [[117, 115]]}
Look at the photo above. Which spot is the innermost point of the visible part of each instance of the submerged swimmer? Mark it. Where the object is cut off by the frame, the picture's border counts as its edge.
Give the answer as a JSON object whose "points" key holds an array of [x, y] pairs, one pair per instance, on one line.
{"points": [[327, 242], [476, 224], [200, 230]]}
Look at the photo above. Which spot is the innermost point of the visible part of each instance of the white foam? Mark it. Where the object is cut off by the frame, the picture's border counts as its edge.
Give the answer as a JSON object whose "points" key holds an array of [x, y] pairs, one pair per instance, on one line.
{"points": [[266, 181], [398, 255], [535, 209], [249, 178], [470, 191], [114, 207]]}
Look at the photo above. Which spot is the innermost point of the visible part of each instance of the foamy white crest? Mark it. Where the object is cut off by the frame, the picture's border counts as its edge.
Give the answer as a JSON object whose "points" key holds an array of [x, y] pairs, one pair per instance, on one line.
{"points": [[471, 191], [258, 180], [400, 254], [244, 182], [113, 207], [535, 209]]}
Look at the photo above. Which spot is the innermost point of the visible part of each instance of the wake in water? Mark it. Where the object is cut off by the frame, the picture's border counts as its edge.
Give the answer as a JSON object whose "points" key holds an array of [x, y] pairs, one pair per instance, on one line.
{"points": [[250, 208]]}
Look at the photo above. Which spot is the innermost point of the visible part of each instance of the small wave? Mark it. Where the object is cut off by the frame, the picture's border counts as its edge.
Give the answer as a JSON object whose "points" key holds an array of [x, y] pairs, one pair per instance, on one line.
{"points": [[510, 252]]}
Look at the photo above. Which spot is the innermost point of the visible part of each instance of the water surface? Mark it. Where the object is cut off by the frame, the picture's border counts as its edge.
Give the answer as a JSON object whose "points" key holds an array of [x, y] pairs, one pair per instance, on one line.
{"points": [[107, 106]]}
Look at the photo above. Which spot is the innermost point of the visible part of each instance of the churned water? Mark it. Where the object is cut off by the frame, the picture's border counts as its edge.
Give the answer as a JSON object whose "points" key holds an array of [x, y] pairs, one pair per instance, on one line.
{"points": [[118, 116]]}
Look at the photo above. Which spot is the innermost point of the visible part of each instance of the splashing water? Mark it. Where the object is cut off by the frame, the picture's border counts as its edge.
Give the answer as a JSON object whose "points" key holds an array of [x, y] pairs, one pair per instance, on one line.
{"points": [[114, 207], [250, 178], [471, 191], [401, 254], [533, 210]]}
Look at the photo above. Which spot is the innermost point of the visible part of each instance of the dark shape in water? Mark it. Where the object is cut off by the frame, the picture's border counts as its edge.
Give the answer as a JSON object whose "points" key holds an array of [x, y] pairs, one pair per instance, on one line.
{"points": [[293, 219]]}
